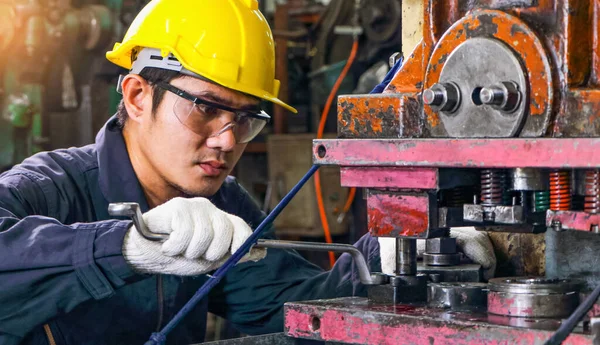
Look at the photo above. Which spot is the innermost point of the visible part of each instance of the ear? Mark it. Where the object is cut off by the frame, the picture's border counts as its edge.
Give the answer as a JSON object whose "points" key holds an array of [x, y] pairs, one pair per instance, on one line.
{"points": [[137, 96]]}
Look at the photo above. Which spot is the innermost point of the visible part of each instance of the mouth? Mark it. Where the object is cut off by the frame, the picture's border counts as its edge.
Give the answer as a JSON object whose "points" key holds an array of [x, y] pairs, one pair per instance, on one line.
{"points": [[213, 168]]}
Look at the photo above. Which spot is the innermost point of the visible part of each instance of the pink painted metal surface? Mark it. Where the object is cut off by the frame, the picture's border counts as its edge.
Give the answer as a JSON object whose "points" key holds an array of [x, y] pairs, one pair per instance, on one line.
{"points": [[573, 220], [355, 321], [463, 153], [393, 214], [383, 177]]}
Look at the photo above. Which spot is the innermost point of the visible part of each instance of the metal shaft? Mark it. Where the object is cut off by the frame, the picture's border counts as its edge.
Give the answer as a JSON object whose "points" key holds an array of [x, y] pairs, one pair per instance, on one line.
{"points": [[406, 256], [361, 264]]}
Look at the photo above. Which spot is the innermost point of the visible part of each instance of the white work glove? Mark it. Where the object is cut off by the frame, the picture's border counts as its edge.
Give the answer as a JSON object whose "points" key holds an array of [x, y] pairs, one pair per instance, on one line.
{"points": [[201, 239], [476, 245]]}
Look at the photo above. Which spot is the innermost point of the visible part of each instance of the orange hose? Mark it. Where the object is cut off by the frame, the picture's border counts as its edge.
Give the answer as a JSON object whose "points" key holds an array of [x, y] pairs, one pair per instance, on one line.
{"points": [[318, 191]]}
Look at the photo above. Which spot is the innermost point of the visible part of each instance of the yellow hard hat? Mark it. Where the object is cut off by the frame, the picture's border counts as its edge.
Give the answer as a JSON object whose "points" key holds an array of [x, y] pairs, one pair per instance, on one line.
{"points": [[226, 41]]}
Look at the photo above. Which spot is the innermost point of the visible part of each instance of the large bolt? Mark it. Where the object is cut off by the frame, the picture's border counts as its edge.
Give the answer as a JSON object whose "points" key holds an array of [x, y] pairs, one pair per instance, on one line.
{"points": [[504, 96], [442, 97]]}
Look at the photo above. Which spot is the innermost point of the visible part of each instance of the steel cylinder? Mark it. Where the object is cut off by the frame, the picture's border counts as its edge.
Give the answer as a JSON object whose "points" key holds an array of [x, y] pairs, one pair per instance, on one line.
{"points": [[406, 256]]}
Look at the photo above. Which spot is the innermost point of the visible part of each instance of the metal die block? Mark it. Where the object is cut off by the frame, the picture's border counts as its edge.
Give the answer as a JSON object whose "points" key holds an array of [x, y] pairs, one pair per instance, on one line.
{"points": [[399, 214], [440, 245], [496, 214]]}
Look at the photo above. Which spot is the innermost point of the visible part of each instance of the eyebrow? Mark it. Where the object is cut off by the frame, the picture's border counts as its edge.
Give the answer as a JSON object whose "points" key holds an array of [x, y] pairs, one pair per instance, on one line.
{"points": [[211, 96]]}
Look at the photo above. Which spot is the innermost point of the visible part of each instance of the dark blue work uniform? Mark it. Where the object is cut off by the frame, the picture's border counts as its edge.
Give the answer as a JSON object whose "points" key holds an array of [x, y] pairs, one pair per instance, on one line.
{"points": [[61, 262]]}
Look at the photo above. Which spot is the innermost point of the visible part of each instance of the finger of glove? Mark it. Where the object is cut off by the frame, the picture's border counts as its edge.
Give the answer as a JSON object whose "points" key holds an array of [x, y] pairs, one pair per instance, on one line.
{"points": [[183, 230], [183, 266], [223, 233], [203, 234], [158, 219], [476, 245], [241, 232], [143, 255], [387, 252]]}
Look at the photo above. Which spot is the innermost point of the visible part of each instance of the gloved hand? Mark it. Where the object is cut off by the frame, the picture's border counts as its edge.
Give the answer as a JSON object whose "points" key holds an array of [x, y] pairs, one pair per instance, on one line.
{"points": [[476, 245], [201, 239]]}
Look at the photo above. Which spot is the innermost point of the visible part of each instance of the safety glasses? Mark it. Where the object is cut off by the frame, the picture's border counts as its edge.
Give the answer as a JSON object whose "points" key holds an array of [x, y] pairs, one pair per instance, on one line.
{"points": [[200, 115]]}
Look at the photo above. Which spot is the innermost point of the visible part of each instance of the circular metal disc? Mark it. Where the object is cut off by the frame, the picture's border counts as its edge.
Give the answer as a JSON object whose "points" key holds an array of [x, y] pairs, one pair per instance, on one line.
{"points": [[534, 285], [441, 259], [477, 63], [457, 295]]}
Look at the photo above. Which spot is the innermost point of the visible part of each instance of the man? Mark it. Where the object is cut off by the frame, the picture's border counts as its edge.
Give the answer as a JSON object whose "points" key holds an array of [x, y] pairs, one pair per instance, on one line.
{"points": [[69, 274]]}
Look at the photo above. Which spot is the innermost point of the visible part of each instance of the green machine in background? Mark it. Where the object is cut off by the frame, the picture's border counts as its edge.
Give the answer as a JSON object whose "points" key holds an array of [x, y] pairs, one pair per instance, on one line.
{"points": [[50, 50]]}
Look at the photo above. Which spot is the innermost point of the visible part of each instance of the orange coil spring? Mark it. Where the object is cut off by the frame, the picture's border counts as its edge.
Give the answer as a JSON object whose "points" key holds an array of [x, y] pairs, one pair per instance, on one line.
{"points": [[592, 191], [560, 190]]}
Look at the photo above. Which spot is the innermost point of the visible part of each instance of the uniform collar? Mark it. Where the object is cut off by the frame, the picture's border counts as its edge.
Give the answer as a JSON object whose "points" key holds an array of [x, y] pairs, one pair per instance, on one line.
{"points": [[116, 176]]}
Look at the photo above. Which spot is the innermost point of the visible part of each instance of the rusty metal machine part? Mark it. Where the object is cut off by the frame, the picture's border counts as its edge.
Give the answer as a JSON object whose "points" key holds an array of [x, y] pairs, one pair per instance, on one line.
{"points": [[440, 245], [527, 179], [457, 296], [532, 297], [401, 289], [459, 273], [492, 92], [508, 90]]}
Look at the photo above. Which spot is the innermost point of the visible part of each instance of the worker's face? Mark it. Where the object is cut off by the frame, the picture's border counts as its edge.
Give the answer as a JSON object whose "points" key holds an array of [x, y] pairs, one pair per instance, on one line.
{"points": [[196, 162]]}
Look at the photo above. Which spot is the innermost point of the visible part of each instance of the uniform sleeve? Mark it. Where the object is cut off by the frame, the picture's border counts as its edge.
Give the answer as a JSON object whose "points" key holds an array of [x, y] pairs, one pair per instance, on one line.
{"points": [[48, 268], [252, 295]]}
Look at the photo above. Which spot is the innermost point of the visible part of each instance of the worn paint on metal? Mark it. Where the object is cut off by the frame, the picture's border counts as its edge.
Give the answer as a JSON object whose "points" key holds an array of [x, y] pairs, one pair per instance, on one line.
{"points": [[595, 74], [579, 115], [360, 116], [383, 177], [379, 116], [519, 254], [394, 214], [577, 40], [460, 153], [355, 321], [557, 42], [573, 220], [517, 35]]}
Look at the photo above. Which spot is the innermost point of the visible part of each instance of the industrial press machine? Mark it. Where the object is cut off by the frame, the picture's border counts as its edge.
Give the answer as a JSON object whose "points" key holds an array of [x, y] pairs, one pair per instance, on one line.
{"points": [[493, 121]]}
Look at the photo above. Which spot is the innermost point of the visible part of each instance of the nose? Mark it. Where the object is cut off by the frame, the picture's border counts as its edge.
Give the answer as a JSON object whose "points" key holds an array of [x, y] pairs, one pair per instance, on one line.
{"points": [[223, 140]]}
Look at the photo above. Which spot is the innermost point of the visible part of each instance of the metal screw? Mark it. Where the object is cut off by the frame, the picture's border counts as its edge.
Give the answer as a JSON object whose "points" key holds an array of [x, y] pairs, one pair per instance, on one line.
{"points": [[442, 97], [504, 96], [557, 225], [492, 95], [433, 97]]}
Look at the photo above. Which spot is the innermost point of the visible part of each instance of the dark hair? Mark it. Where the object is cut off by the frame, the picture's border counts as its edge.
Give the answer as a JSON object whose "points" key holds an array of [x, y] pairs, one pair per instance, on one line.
{"points": [[152, 76]]}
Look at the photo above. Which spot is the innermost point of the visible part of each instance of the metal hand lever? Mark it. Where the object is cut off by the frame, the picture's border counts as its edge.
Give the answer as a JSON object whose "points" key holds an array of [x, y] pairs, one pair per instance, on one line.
{"points": [[366, 278], [132, 209]]}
